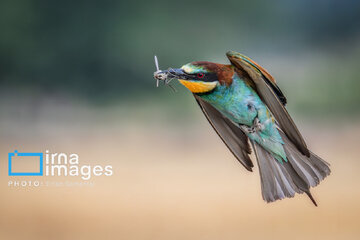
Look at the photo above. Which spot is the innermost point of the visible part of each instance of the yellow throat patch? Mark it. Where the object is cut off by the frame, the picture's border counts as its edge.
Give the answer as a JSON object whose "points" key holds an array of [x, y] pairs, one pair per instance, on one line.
{"points": [[198, 87]]}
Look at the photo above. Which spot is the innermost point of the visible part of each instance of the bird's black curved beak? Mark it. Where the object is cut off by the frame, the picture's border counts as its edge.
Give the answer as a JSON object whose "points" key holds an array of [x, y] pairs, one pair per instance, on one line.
{"points": [[178, 73]]}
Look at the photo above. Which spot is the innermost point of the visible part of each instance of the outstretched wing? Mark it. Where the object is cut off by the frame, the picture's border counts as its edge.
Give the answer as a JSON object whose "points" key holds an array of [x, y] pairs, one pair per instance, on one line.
{"points": [[232, 136], [270, 93]]}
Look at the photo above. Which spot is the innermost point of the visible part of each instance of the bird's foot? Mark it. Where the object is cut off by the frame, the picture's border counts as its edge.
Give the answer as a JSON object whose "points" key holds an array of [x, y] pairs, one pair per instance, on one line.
{"points": [[256, 127]]}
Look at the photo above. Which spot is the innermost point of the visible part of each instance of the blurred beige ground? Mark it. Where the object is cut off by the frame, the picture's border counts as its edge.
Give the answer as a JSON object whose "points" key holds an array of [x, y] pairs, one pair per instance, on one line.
{"points": [[171, 181]]}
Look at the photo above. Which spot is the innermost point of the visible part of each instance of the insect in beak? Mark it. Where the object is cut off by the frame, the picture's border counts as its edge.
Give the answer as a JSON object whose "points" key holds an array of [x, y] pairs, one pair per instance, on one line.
{"points": [[164, 76]]}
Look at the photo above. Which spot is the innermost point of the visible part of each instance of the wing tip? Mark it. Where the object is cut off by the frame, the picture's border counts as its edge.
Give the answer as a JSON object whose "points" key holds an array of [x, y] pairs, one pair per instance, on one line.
{"points": [[233, 54], [229, 53], [249, 168]]}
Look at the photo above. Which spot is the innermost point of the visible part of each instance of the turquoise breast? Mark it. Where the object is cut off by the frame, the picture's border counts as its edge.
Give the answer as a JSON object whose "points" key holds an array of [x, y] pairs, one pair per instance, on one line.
{"points": [[238, 102]]}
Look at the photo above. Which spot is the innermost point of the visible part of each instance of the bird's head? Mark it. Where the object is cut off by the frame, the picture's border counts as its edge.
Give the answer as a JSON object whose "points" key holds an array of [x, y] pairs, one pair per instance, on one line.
{"points": [[203, 77]]}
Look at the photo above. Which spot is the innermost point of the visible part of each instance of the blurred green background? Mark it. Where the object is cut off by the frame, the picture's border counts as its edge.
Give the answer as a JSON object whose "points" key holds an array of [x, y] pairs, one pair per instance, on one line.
{"points": [[102, 51], [77, 77]]}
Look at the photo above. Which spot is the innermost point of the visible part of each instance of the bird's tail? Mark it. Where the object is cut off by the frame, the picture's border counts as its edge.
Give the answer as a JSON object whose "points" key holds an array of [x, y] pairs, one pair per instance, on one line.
{"points": [[297, 175]]}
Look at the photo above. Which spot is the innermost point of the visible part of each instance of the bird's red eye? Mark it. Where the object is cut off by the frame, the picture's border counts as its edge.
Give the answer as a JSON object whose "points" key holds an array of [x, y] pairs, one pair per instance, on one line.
{"points": [[200, 75]]}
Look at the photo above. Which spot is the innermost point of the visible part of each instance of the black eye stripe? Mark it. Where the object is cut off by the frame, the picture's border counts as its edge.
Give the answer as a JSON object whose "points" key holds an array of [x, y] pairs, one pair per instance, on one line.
{"points": [[207, 77]]}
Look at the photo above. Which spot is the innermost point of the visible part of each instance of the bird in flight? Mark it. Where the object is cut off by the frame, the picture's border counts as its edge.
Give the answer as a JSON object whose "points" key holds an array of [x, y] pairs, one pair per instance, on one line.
{"points": [[243, 104]]}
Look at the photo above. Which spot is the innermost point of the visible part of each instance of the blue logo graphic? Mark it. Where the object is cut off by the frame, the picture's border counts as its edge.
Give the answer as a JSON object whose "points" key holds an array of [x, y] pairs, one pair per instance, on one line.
{"points": [[16, 153]]}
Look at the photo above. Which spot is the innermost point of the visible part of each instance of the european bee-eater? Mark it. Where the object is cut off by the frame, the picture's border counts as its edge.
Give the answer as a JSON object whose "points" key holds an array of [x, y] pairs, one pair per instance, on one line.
{"points": [[242, 101]]}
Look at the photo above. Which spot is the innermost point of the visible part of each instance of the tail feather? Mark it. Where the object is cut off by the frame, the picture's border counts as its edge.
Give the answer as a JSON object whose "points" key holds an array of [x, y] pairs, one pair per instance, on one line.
{"points": [[311, 198], [276, 182], [281, 180], [312, 169]]}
